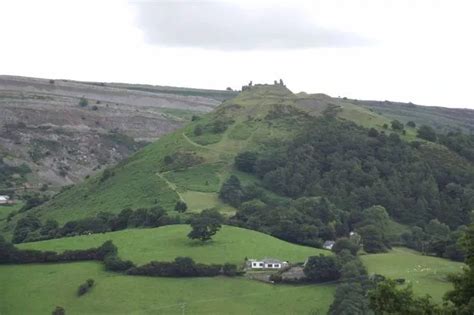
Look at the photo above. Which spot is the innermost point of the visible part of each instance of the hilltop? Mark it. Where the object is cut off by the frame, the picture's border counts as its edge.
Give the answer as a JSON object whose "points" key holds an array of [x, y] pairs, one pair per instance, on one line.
{"points": [[289, 152]]}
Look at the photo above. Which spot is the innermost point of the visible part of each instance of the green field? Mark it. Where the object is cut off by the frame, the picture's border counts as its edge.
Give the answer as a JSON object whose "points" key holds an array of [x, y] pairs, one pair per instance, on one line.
{"points": [[6, 210], [38, 289], [231, 244], [48, 285], [427, 274]]}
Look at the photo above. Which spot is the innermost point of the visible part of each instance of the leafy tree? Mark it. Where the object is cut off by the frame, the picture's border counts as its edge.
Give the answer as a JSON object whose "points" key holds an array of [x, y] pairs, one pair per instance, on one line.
{"points": [[181, 206], [50, 227], [427, 133], [349, 299], [462, 296], [386, 298], [245, 161], [345, 243], [321, 268], [411, 124], [372, 239], [373, 133], [231, 191], [205, 225], [396, 125]]}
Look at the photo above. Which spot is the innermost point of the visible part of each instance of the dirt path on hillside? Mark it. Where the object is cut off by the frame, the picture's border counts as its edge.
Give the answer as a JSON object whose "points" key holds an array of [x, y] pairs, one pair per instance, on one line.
{"points": [[171, 186]]}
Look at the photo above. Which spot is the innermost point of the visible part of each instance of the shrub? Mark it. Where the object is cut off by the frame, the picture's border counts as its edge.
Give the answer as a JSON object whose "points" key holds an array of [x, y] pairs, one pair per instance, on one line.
{"points": [[114, 263], [396, 125], [83, 102], [198, 130], [59, 311], [427, 133], [321, 268], [229, 269], [181, 206]]}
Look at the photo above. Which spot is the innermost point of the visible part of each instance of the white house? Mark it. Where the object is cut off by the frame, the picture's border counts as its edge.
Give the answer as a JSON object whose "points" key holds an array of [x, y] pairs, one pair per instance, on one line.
{"points": [[266, 263], [328, 244], [4, 200]]}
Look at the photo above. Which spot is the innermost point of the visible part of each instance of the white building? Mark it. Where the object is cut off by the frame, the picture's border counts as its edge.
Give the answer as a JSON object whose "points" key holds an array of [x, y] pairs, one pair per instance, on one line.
{"points": [[328, 244], [266, 263], [4, 200]]}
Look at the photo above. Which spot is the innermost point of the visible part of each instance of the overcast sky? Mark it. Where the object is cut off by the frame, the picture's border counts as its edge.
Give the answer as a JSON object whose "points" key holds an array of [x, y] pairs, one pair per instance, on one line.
{"points": [[402, 50]]}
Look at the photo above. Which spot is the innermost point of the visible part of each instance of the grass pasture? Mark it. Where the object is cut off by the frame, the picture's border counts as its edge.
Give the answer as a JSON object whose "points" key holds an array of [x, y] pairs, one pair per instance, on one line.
{"points": [[38, 289], [231, 244], [427, 274]]}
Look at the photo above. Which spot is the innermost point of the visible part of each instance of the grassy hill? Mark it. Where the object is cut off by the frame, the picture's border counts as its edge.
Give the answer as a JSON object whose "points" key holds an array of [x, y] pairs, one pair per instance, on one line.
{"points": [[231, 244], [427, 274], [46, 286]]}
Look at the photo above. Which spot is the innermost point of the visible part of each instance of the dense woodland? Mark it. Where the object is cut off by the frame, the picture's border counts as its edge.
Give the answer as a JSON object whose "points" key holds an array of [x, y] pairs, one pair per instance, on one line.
{"points": [[333, 172]]}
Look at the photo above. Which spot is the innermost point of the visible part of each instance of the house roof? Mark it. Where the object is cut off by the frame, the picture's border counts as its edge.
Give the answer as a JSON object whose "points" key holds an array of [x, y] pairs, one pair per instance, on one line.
{"points": [[329, 243], [4, 197], [267, 260]]}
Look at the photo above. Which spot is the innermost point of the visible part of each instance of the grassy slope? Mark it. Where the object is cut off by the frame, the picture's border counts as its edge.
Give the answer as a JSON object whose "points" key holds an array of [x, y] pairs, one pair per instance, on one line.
{"points": [[136, 182], [231, 244], [45, 286], [426, 274]]}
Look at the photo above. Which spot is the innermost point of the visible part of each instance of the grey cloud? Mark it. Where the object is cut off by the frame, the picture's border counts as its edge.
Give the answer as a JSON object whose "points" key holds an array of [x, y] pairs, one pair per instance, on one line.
{"points": [[225, 26]]}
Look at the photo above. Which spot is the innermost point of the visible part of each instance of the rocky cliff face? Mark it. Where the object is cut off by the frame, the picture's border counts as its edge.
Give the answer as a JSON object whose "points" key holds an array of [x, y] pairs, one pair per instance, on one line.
{"points": [[65, 130]]}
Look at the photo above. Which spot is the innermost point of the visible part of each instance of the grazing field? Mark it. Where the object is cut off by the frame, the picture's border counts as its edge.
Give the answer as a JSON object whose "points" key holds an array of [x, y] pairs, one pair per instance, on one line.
{"points": [[231, 244], [46, 286], [6, 210], [427, 274]]}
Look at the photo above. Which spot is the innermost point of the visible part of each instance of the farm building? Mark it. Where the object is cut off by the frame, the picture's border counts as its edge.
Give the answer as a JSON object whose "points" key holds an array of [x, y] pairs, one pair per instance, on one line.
{"points": [[328, 244], [4, 200], [266, 263]]}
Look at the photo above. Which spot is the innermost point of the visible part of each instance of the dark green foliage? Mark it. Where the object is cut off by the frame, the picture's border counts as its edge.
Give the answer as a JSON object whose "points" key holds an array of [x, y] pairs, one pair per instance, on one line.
{"points": [[462, 296], [59, 311], [83, 102], [245, 161], [427, 133], [386, 298], [181, 160], [180, 267], [460, 143], [195, 118], [32, 201], [85, 287], [372, 239], [340, 161], [27, 227], [396, 125], [373, 133], [198, 130], [181, 206], [349, 299], [205, 225], [345, 244], [411, 124], [229, 270], [231, 191], [321, 269], [114, 263]]}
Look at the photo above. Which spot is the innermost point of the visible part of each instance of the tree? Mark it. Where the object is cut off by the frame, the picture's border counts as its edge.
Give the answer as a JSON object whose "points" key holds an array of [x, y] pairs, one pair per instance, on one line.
{"points": [[321, 268], [181, 206], [372, 239], [373, 133], [396, 125], [427, 133], [349, 299], [83, 102], [205, 225], [411, 124], [245, 161], [231, 191], [463, 294], [386, 298], [345, 243]]}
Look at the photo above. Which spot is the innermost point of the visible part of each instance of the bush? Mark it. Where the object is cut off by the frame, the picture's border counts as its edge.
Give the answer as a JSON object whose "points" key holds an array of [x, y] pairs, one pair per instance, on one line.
{"points": [[245, 161], [181, 206], [114, 263], [396, 125], [321, 268], [229, 270], [345, 243], [427, 133], [59, 311], [198, 130], [83, 102]]}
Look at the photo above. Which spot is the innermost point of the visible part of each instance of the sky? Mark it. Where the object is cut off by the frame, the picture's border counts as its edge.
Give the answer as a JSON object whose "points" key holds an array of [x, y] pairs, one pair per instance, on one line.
{"points": [[418, 51]]}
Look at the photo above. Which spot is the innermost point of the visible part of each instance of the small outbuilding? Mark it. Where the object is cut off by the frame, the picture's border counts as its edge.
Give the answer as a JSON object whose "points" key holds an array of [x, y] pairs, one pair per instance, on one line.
{"points": [[266, 263], [4, 200], [328, 245]]}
